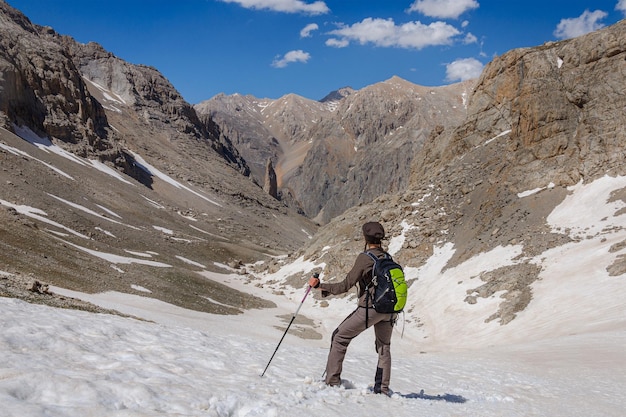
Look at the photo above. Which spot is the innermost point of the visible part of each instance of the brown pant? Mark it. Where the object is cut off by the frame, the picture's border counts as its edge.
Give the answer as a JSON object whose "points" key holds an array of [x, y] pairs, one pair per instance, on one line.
{"points": [[350, 328]]}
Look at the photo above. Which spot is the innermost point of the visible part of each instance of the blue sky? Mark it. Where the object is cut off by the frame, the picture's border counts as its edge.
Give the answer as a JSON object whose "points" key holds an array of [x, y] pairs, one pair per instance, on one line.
{"points": [[269, 48]]}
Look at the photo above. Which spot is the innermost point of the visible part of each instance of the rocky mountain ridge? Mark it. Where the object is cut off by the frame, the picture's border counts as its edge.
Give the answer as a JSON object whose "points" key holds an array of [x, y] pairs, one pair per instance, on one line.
{"points": [[324, 149], [262, 129], [112, 155]]}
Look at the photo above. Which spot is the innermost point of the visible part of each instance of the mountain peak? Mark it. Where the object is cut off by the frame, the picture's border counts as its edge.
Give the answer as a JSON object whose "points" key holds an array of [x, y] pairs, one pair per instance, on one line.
{"points": [[396, 79], [338, 95]]}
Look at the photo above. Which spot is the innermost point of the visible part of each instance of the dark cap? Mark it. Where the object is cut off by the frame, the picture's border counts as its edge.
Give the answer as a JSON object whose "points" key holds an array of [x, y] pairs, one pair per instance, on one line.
{"points": [[373, 232]]}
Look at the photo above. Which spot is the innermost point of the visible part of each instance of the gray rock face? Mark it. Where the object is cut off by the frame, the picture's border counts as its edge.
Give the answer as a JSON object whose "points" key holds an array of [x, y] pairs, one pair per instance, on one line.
{"points": [[366, 148], [58, 88], [357, 144], [559, 101], [335, 97], [245, 129], [41, 88], [263, 129], [151, 96]]}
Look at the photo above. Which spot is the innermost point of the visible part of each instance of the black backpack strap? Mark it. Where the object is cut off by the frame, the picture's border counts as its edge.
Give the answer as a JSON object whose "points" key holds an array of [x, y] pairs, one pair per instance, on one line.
{"points": [[376, 259], [367, 287], [367, 310]]}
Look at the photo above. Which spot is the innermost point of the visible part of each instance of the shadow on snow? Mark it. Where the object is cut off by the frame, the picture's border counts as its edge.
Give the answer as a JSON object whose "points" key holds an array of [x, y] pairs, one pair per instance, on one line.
{"points": [[450, 398]]}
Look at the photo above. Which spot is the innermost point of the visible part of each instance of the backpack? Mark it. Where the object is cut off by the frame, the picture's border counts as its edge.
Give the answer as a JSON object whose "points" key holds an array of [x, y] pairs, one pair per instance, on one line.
{"points": [[390, 289]]}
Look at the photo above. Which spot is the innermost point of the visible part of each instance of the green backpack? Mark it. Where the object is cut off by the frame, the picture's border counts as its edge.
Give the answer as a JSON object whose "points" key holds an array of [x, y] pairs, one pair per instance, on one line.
{"points": [[390, 289]]}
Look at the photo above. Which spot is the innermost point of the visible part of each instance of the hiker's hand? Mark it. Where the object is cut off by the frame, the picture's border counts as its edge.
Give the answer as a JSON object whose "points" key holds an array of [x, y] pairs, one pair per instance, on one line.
{"points": [[314, 281]]}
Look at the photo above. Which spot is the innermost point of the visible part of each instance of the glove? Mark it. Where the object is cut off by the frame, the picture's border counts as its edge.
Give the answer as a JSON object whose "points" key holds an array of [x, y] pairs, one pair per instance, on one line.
{"points": [[314, 281]]}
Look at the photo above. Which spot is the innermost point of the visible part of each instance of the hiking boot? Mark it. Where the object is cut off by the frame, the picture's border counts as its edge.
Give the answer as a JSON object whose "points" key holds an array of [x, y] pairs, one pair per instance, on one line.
{"points": [[378, 390]]}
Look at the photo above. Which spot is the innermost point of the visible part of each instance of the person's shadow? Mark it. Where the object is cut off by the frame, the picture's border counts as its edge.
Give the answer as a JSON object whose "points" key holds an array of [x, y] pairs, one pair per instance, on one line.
{"points": [[450, 398]]}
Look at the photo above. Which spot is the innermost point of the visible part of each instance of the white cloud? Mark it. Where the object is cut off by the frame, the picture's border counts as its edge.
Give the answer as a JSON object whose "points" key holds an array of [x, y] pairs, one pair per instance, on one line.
{"points": [[585, 23], [384, 32], [470, 38], [463, 69], [337, 43], [291, 56], [306, 31], [285, 6], [443, 9], [621, 6]]}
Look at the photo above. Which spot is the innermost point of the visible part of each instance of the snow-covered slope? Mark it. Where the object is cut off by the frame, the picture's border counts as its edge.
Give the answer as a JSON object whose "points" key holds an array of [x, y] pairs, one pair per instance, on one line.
{"points": [[563, 356], [73, 364]]}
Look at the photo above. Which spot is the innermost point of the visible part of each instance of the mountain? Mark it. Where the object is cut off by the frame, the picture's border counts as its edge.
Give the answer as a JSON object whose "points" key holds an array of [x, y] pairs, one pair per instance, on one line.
{"points": [[366, 149], [110, 179], [324, 149], [334, 97], [499, 195], [264, 129]]}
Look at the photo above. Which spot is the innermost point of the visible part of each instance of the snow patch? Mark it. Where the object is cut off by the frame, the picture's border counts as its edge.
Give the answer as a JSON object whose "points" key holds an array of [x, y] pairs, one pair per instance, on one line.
{"points": [[40, 215], [396, 242], [106, 232], [100, 166], [506, 132], [116, 259], [164, 230], [140, 288], [166, 178], [190, 262], [534, 191], [19, 152]]}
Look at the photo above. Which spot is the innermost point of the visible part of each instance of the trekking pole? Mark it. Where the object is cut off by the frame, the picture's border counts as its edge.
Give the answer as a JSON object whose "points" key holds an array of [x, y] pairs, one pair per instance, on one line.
{"points": [[316, 275]]}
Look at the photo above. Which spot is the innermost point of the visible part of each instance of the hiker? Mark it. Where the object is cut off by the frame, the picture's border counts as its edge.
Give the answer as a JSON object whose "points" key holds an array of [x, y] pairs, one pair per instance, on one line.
{"points": [[364, 316]]}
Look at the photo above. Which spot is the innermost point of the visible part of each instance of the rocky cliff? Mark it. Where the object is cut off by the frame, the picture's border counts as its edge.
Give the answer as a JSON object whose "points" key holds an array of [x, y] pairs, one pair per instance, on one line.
{"points": [[366, 148], [357, 144], [56, 87], [42, 88], [263, 129]]}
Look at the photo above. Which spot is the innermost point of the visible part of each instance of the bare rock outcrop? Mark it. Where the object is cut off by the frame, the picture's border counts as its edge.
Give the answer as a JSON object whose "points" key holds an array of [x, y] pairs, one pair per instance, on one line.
{"points": [[145, 90], [557, 104], [42, 88], [270, 186], [266, 128], [367, 147]]}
